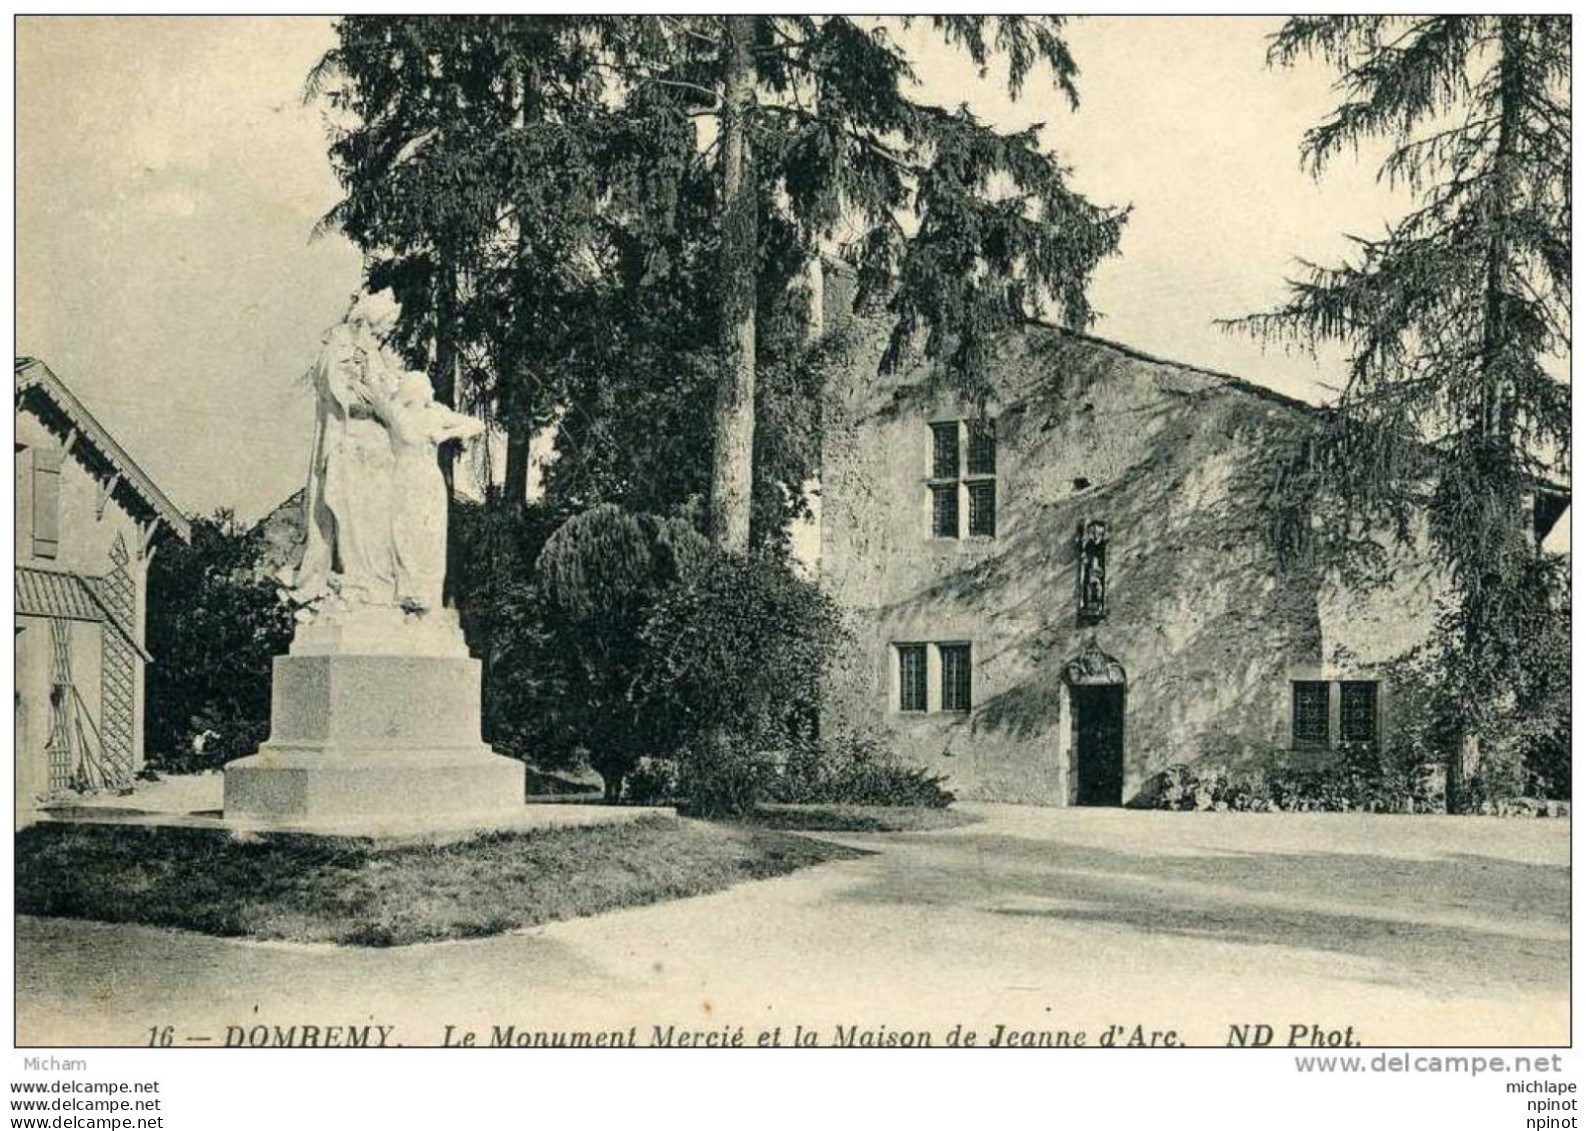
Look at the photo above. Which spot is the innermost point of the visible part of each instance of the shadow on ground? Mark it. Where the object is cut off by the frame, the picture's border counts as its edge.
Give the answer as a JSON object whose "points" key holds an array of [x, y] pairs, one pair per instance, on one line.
{"points": [[1454, 925]]}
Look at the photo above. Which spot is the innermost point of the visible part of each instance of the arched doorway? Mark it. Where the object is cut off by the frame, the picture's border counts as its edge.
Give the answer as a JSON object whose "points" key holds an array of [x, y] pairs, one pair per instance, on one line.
{"points": [[1097, 698]]}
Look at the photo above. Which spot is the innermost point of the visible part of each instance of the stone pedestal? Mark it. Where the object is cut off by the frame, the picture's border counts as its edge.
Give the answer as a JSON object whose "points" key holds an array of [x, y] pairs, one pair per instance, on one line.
{"points": [[376, 721]]}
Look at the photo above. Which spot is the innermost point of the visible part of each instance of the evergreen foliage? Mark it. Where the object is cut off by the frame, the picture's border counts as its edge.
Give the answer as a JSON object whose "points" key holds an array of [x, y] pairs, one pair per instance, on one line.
{"points": [[600, 575], [737, 652], [606, 223], [633, 642], [214, 625], [545, 194], [498, 602], [1451, 317]]}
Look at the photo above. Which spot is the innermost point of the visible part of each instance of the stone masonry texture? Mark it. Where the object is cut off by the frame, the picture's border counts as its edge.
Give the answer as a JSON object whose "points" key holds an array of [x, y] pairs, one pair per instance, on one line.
{"points": [[1208, 629]]}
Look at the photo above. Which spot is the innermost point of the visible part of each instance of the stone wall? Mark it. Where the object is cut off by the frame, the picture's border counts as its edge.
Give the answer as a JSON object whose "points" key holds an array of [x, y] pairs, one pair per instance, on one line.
{"points": [[1209, 631]]}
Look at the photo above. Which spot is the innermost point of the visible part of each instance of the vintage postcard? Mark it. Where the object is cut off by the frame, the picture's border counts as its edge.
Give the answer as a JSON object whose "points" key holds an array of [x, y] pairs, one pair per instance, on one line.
{"points": [[791, 531]]}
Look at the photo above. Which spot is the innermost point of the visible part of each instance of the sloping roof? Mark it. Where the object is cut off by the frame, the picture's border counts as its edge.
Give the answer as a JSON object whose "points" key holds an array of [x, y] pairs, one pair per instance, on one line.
{"points": [[1254, 388], [1228, 380], [284, 534], [1556, 539], [60, 594], [35, 383], [47, 593]]}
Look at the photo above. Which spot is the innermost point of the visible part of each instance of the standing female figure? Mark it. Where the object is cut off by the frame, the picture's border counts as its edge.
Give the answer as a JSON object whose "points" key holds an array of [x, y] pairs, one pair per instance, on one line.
{"points": [[418, 426], [346, 502]]}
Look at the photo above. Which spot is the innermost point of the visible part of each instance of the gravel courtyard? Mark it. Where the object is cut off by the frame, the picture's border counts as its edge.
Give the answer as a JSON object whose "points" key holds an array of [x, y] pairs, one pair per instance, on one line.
{"points": [[1384, 930]]}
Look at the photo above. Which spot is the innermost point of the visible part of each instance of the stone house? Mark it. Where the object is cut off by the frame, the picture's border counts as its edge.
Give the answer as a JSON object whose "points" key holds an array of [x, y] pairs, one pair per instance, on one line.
{"points": [[87, 522], [1060, 597]]}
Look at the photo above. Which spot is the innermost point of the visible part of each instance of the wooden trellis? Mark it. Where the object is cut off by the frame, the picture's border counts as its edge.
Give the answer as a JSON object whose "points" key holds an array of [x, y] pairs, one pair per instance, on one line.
{"points": [[75, 748], [61, 743], [118, 671]]}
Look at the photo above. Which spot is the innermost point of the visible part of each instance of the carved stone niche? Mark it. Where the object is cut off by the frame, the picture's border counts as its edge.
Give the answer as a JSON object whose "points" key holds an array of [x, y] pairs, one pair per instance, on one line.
{"points": [[1093, 667], [1092, 575]]}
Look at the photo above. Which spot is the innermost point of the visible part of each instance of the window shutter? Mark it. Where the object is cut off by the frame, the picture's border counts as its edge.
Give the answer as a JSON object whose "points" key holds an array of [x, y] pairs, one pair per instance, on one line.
{"points": [[46, 502]]}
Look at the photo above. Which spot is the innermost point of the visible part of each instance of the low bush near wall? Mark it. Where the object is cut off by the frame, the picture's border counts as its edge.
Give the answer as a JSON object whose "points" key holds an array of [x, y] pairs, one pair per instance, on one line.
{"points": [[856, 769], [1339, 789], [1344, 788], [652, 782]]}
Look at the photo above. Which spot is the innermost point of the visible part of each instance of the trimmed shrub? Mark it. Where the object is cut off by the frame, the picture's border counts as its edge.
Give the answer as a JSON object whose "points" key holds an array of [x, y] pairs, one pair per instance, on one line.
{"points": [[600, 576], [720, 776], [630, 645], [735, 654]]}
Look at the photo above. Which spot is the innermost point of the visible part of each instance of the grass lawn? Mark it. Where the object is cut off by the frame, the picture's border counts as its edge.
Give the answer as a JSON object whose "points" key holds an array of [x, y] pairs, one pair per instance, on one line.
{"points": [[858, 818], [363, 893]]}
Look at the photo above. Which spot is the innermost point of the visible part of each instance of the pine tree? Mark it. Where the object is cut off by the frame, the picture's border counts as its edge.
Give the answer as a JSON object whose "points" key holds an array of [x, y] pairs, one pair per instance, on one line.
{"points": [[1452, 316], [663, 182], [462, 145], [969, 231]]}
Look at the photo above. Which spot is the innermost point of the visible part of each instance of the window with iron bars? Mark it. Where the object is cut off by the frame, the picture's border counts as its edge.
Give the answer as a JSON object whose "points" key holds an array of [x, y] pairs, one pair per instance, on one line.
{"points": [[1357, 712], [1314, 725], [963, 479], [934, 678], [911, 677], [955, 677], [1310, 714]]}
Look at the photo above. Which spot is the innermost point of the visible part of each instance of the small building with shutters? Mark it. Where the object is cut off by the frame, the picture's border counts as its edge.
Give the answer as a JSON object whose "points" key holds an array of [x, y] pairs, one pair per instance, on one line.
{"points": [[88, 522]]}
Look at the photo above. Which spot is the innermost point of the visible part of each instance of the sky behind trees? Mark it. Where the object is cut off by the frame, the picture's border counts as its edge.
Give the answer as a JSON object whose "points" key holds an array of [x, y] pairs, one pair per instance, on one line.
{"points": [[169, 176]]}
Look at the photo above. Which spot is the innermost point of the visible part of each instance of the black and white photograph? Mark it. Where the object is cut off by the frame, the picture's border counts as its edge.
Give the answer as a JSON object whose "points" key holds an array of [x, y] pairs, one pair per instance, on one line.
{"points": [[603, 530]]}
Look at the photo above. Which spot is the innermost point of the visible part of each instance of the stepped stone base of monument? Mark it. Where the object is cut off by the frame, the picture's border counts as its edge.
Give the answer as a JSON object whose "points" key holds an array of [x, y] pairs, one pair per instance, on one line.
{"points": [[378, 737], [298, 786]]}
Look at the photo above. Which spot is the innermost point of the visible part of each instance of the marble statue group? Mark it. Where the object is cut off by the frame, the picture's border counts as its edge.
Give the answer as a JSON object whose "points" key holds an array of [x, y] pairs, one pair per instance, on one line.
{"points": [[375, 707], [375, 503]]}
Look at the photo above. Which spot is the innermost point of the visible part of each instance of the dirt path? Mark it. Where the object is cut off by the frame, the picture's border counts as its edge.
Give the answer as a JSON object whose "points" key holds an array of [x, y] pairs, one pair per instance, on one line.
{"points": [[1412, 931]]}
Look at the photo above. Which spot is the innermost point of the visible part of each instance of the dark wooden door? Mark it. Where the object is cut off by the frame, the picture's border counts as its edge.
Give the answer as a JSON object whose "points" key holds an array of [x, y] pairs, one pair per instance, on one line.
{"points": [[1098, 745]]}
